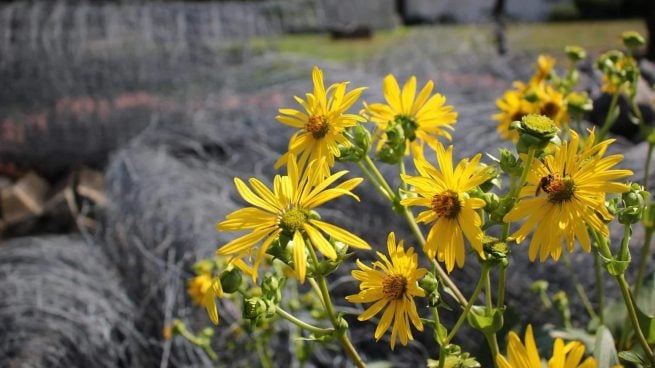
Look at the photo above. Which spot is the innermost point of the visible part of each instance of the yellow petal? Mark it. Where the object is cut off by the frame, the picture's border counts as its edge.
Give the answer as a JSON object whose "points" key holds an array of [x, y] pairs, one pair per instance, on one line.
{"points": [[341, 234], [299, 256]]}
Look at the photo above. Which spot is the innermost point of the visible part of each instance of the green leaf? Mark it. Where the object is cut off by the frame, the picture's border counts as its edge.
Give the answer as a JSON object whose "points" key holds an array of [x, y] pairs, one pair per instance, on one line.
{"points": [[487, 320], [646, 309], [604, 350], [631, 357]]}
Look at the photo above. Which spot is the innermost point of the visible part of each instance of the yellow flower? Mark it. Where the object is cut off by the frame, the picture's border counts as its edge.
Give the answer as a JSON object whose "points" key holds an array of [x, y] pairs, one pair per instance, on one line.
{"points": [[322, 124], [565, 194], [204, 290], [450, 207], [392, 283], [545, 64], [423, 116], [513, 107], [553, 105], [287, 210], [525, 355]]}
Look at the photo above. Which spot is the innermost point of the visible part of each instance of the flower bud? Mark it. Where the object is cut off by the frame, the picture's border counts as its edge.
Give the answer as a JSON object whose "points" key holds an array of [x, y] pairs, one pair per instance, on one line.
{"points": [[579, 102], [361, 142], [231, 280], [509, 163], [429, 283], [575, 53], [634, 202], [535, 131], [393, 148], [632, 39]]}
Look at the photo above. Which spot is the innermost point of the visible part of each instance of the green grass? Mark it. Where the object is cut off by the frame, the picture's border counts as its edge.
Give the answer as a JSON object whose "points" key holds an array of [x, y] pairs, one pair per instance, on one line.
{"points": [[594, 36], [323, 47], [452, 39]]}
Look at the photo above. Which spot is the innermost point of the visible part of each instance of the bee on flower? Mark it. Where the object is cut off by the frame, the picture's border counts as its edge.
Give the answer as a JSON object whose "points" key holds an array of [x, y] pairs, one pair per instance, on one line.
{"points": [[565, 194], [287, 210], [322, 124], [391, 284]]}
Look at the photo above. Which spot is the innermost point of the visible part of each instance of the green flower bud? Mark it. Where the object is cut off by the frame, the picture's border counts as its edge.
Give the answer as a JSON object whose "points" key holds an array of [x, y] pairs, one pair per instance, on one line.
{"points": [[272, 288], [579, 102], [253, 309], [575, 53], [361, 140], [429, 283], [492, 201], [632, 39], [280, 249], [393, 148], [539, 286], [509, 163], [634, 202], [231, 280], [531, 95], [495, 250], [535, 131]]}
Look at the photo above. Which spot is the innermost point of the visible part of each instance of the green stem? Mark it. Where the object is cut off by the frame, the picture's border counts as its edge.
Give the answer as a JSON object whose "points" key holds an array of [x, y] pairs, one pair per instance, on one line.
{"points": [[264, 359], [600, 288], [195, 340], [624, 251], [649, 156], [632, 313], [513, 194], [442, 357], [329, 308], [302, 324], [441, 273], [492, 340], [643, 259], [378, 175], [378, 186], [578, 287], [469, 304], [609, 118], [389, 194], [502, 277]]}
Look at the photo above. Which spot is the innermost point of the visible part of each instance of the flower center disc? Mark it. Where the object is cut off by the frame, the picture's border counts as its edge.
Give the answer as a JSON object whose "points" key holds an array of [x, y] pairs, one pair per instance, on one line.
{"points": [[559, 189], [446, 204], [550, 109], [293, 219], [317, 126], [394, 286]]}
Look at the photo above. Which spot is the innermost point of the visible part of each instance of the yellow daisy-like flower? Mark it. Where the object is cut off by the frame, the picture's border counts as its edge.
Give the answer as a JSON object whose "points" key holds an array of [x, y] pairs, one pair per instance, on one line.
{"points": [[525, 355], [204, 290], [564, 194], [426, 118], [513, 107], [553, 105], [392, 283], [545, 65], [322, 124], [287, 209], [450, 207]]}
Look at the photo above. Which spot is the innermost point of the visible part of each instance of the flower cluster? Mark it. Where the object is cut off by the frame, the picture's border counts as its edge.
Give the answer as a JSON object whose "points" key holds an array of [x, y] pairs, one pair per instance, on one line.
{"points": [[563, 188]]}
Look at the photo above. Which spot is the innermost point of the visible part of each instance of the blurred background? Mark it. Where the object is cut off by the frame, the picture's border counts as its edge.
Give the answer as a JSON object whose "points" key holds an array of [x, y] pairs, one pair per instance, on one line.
{"points": [[122, 124]]}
